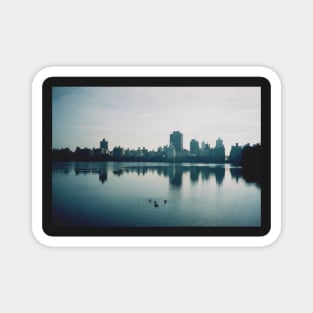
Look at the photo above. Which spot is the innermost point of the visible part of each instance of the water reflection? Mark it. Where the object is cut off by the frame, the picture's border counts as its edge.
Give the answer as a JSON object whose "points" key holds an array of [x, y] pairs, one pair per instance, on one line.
{"points": [[103, 176], [194, 174], [82, 168], [118, 172], [175, 175], [174, 172], [235, 173], [219, 175]]}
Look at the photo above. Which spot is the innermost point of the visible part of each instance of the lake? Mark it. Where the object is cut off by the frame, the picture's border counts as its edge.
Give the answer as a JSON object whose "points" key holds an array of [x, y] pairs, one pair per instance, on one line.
{"points": [[153, 194]]}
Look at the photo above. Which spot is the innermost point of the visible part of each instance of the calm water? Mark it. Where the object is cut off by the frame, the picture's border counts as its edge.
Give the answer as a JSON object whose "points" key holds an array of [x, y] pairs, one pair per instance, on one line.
{"points": [[118, 194]]}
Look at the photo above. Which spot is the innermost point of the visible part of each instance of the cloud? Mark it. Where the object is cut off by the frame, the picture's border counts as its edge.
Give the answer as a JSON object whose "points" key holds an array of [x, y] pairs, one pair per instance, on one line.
{"points": [[144, 116]]}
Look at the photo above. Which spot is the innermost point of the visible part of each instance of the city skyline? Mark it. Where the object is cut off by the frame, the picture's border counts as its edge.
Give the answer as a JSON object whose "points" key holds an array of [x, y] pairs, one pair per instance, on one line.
{"points": [[134, 117]]}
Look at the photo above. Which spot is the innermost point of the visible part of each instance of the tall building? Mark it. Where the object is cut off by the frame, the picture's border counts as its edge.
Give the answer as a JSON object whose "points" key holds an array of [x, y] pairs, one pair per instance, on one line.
{"points": [[219, 151], [202, 146], [171, 152], [219, 143], [176, 139], [194, 147], [118, 152], [235, 154], [104, 146]]}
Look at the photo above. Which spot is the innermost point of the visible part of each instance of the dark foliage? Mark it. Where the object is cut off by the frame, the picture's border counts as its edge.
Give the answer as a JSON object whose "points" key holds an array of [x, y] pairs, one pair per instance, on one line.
{"points": [[251, 163]]}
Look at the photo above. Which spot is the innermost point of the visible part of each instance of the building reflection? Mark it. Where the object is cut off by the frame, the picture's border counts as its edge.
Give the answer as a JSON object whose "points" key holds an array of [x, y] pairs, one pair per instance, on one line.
{"points": [[92, 168], [118, 172], [238, 173], [219, 175], [235, 173], [174, 172], [194, 173], [103, 176]]}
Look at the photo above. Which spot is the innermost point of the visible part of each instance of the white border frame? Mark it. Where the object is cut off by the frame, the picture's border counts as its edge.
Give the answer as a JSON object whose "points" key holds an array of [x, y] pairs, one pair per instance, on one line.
{"points": [[154, 71]]}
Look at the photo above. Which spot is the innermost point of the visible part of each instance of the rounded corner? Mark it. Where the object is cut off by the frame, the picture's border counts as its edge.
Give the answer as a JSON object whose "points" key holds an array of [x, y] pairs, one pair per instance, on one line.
{"points": [[271, 237], [270, 75], [43, 75], [41, 236]]}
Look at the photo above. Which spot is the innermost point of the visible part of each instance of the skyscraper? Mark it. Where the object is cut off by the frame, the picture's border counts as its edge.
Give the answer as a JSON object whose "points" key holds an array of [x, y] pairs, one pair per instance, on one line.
{"points": [[219, 143], [219, 151], [171, 152], [104, 146], [194, 147], [176, 139]]}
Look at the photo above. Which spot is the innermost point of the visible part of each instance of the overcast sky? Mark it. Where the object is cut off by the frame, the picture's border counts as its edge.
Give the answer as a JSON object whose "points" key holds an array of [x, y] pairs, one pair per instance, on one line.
{"points": [[135, 117]]}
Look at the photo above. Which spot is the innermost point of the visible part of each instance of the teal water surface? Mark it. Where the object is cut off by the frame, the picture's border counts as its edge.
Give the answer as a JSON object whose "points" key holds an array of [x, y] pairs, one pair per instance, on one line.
{"points": [[153, 194]]}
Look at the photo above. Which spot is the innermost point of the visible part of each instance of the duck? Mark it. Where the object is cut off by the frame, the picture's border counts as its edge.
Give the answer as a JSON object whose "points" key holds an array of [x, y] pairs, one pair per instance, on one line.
{"points": [[165, 201], [149, 200], [155, 204]]}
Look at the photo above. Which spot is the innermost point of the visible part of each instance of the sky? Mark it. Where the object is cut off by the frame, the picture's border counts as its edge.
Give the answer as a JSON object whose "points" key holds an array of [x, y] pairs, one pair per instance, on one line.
{"points": [[134, 117]]}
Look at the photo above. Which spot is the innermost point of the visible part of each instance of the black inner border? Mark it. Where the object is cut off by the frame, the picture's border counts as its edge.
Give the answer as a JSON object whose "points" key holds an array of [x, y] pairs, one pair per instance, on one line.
{"points": [[262, 82]]}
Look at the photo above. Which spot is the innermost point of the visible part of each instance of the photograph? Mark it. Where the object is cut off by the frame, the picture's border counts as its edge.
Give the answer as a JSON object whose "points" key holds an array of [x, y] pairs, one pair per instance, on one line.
{"points": [[156, 156]]}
